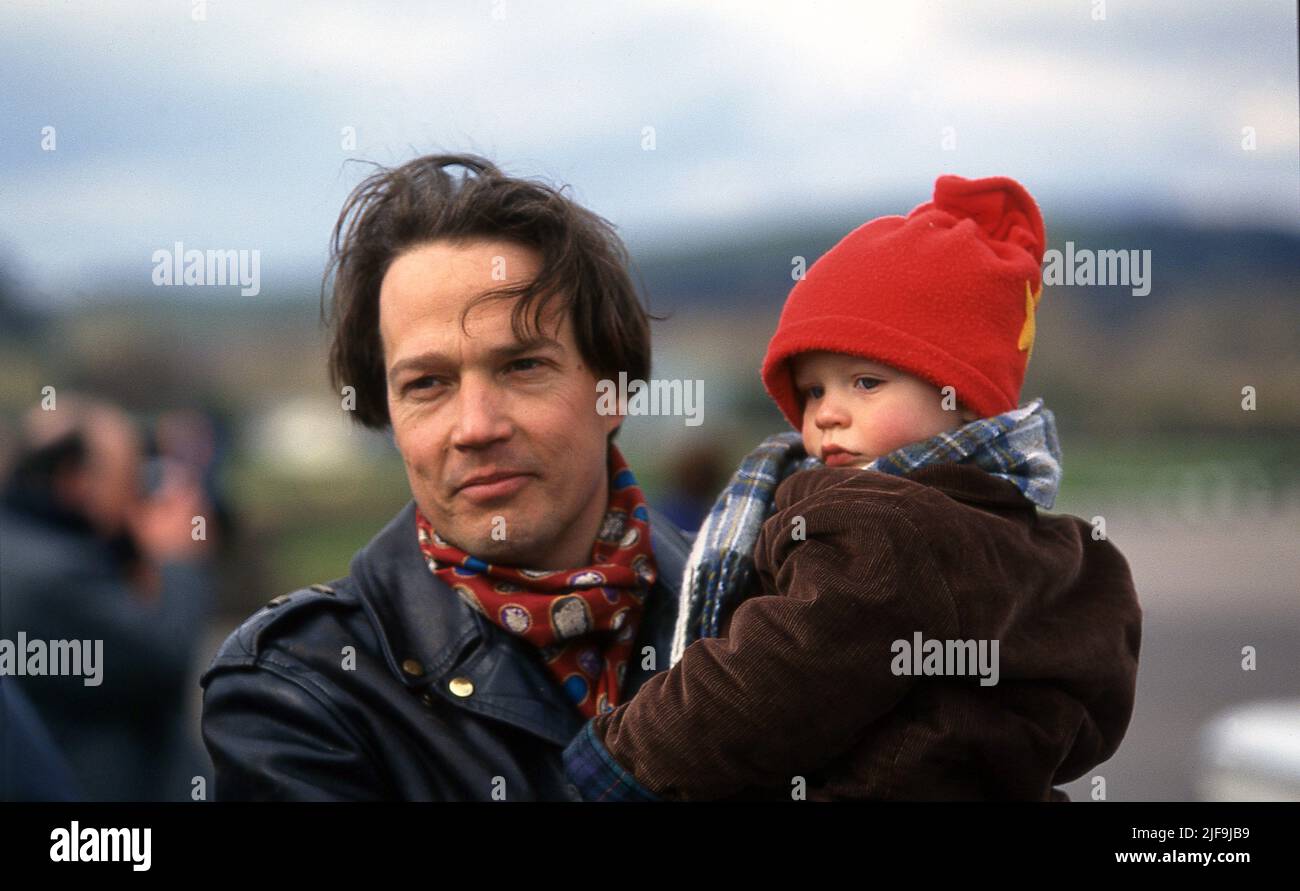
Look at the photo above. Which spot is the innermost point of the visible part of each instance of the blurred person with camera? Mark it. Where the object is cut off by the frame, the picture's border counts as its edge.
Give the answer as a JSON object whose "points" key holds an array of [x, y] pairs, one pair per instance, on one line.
{"points": [[88, 558]]}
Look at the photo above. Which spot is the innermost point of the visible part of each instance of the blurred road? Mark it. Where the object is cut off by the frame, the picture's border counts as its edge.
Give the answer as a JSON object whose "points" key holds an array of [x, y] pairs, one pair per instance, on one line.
{"points": [[1207, 590]]}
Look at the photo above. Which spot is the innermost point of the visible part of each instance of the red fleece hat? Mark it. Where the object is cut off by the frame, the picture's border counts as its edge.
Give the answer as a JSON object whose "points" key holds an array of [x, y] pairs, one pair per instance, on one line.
{"points": [[946, 293]]}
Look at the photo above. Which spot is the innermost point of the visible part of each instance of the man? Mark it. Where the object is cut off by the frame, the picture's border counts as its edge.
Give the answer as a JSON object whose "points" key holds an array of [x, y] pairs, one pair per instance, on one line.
{"points": [[526, 587], [85, 556]]}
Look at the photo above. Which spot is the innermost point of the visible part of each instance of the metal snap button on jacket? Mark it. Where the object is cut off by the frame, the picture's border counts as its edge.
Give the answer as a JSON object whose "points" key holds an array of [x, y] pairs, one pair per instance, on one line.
{"points": [[413, 668], [461, 686]]}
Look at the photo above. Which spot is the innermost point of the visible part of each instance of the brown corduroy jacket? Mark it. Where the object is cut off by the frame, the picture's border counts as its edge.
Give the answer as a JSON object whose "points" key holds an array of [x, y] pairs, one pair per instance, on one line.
{"points": [[806, 681]]}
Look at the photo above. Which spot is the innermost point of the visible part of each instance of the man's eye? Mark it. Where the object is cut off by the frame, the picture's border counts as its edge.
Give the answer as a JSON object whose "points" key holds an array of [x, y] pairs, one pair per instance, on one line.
{"points": [[869, 383], [524, 364], [419, 383]]}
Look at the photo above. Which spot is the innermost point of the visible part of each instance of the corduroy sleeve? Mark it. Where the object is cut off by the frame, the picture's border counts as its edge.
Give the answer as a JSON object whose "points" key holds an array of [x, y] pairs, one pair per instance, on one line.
{"points": [[804, 669]]}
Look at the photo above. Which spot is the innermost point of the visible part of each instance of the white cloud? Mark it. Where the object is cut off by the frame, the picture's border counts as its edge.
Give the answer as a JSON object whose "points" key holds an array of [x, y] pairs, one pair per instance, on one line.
{"points": [[231, 125]]}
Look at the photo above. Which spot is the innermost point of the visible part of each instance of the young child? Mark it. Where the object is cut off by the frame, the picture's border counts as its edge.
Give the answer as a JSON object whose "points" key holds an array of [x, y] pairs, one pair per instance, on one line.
{"points": [[915, 628]]}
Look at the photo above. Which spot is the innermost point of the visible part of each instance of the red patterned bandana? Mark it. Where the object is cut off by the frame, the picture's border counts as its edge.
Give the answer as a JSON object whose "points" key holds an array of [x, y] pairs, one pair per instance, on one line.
{"points": [[582, 620]]}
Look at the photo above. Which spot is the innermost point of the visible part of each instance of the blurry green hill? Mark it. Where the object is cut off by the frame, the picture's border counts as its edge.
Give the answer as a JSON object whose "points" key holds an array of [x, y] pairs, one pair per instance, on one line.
{"points": [[754, 268]]}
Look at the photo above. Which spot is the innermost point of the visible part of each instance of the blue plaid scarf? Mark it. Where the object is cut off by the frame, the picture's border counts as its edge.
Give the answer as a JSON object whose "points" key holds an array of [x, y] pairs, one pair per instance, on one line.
{"points": [[1019, 445]]}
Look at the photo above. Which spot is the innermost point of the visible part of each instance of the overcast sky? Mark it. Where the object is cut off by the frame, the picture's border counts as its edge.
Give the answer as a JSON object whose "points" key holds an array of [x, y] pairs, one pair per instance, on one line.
{"points": [[227, 132]]}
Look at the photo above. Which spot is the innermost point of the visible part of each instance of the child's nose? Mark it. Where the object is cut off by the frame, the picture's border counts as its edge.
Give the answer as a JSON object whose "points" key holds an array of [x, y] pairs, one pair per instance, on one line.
{"points": [[830, 414]]}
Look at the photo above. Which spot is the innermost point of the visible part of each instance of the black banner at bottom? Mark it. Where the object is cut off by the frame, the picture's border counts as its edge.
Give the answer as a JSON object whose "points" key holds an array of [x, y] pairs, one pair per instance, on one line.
{"points": [[300, 841]]}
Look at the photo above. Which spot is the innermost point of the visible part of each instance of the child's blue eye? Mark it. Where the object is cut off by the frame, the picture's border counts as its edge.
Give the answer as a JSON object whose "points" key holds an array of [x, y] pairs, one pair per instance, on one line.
{"points": [[874, 381], [813, 393]]}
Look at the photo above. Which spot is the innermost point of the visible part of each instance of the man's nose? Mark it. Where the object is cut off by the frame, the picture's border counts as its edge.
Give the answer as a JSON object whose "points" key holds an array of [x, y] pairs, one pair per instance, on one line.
{"points": [[481, 416]]}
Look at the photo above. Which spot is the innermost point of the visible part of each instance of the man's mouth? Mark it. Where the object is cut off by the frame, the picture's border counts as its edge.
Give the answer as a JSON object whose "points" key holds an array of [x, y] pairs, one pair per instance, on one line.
{"points": [[488, 486]]}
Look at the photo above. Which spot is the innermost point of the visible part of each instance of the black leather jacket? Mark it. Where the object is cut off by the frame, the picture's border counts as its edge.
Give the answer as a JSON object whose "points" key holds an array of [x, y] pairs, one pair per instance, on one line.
{"points": [[385, 685]]}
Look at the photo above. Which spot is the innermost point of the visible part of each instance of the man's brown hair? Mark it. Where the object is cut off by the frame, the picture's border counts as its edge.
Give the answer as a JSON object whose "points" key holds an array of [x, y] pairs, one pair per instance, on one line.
{"points": [[584, 265]]}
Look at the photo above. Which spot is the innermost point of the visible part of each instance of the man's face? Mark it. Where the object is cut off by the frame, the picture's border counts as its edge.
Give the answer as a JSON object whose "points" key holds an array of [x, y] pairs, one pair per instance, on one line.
{"points": [[504, 450], [107, 489], [855, 410]]}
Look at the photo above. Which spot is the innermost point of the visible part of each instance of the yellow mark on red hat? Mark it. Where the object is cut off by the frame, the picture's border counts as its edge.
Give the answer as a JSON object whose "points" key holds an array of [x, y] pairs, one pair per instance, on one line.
{"points": [[1027, 332]]}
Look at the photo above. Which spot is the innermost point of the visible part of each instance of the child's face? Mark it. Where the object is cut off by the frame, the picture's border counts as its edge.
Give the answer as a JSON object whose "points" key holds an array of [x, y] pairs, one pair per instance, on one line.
{"points": [[859, 409]]}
